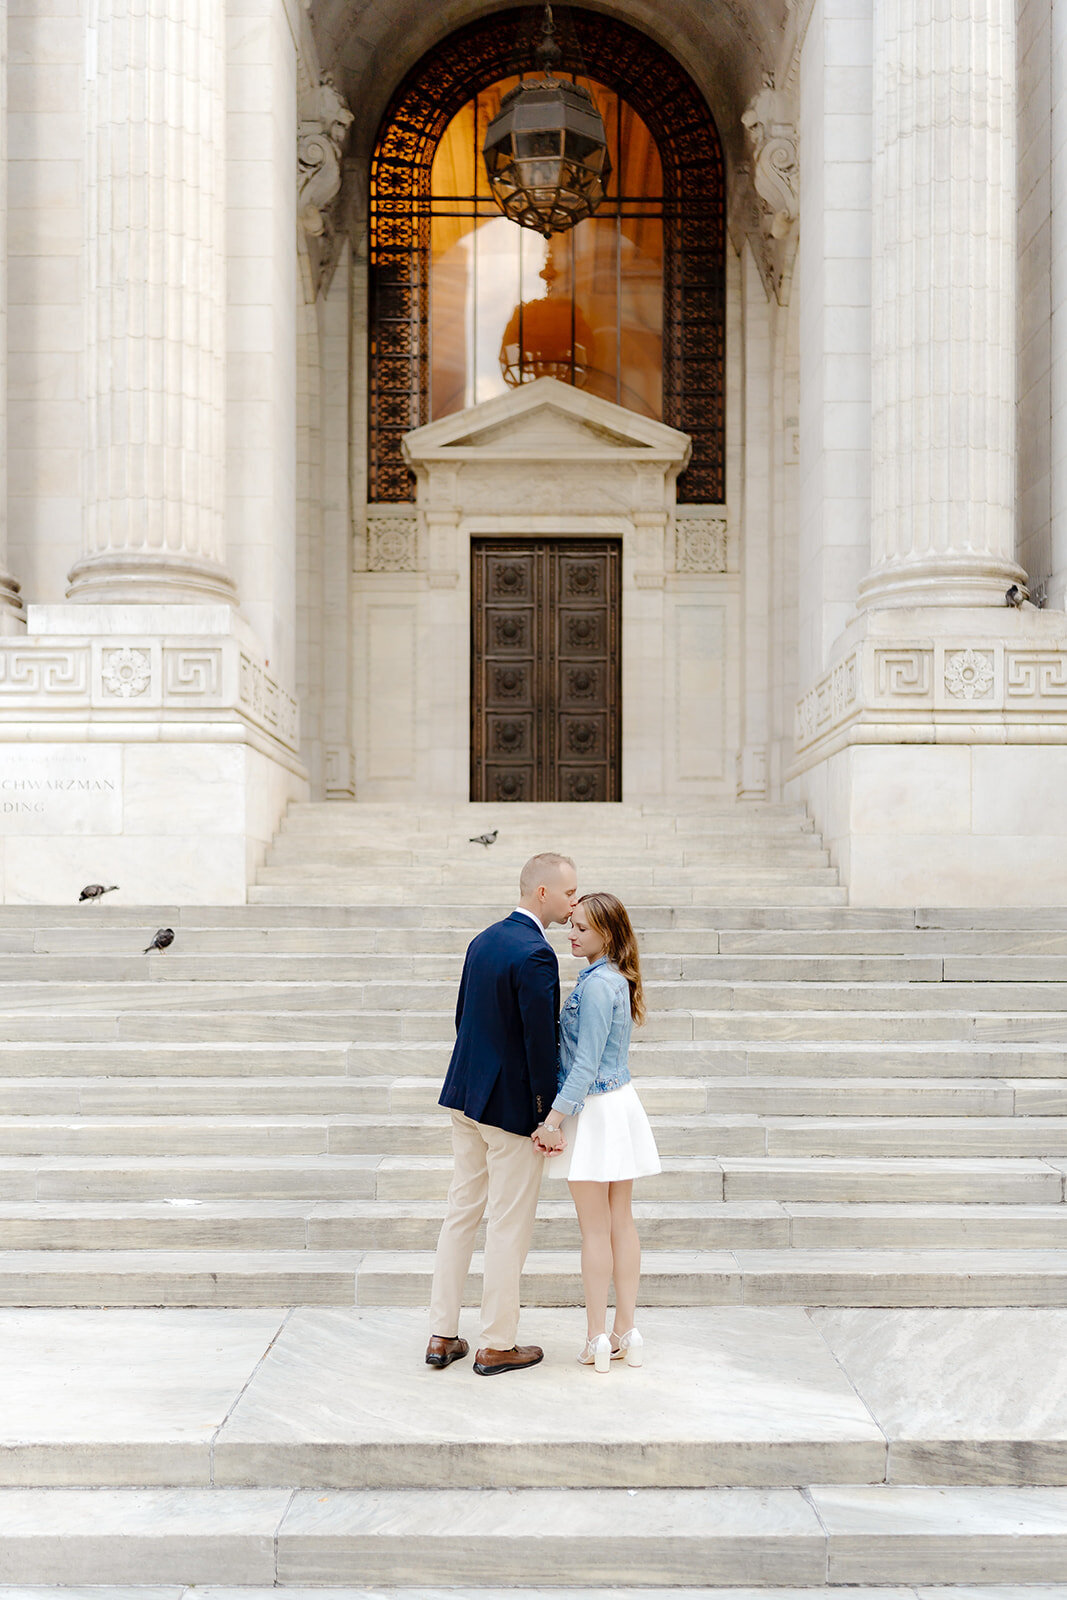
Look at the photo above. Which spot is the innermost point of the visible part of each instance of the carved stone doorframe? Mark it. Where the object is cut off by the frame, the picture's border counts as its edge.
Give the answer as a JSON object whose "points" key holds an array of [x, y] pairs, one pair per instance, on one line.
{"points": [[547, 461]]}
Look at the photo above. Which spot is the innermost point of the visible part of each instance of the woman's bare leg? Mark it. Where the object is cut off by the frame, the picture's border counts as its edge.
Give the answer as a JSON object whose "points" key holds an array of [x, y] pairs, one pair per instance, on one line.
{"points": [[594, 1219], [625, 1253]]}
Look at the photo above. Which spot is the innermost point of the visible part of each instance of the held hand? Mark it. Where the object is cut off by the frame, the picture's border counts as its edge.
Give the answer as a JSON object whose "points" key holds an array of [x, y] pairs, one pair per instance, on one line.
{"points": [[549, 1141]]}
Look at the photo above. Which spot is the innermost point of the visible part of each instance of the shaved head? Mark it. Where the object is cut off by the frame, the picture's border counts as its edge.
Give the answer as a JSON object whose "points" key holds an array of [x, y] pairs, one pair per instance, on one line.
{"points": [[542, 869]]}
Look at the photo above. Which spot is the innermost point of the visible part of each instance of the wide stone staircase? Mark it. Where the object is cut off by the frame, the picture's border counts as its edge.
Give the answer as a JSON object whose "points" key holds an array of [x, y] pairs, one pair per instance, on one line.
{"points": [[222, 1172]]}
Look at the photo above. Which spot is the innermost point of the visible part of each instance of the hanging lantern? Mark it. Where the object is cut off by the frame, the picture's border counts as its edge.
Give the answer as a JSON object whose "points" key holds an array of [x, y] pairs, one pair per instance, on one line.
{"points": [[545, 151]]}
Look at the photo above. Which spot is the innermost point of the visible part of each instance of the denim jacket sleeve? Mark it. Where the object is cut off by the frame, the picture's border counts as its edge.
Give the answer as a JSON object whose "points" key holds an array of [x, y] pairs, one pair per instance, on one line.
{"points": [[595, 1012]]}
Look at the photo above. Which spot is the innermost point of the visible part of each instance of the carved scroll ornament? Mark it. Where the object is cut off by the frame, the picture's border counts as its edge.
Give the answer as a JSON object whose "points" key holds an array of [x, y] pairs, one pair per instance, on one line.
{"points": [[321, 137], [775, 169]]}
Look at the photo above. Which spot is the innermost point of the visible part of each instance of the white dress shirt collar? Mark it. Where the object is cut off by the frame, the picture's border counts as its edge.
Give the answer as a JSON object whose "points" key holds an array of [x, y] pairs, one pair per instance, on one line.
{"points": [[538, 924]]}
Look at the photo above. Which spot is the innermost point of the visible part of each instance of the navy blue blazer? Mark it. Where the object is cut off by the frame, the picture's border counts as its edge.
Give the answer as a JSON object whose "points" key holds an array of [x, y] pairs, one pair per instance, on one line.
{"points": [[503, 1067]]}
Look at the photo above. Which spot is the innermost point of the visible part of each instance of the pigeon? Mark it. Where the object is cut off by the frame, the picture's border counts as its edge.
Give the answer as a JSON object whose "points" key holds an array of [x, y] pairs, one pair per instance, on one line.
{"points": [[485, 838], [93, 891], [164, 937], [1015, 596]]}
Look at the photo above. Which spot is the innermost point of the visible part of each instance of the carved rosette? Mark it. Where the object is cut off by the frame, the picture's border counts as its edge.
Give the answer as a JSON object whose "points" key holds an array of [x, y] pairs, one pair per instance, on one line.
{"points": [[969, 674], [392, 544], [700, 544], [126, 673]]}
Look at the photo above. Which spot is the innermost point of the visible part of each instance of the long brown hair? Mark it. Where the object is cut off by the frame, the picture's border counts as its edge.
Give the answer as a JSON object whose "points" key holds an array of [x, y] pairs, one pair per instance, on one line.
{"points": [[609, 918]]}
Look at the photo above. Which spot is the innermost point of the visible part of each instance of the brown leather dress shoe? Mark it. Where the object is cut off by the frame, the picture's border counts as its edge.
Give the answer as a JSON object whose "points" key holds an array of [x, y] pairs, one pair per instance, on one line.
{"points": [[487, 1361], [441, 1352]]}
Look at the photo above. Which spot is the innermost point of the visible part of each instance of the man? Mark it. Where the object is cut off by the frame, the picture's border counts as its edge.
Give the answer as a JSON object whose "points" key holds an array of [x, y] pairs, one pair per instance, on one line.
{"points": [[500, 1085]]}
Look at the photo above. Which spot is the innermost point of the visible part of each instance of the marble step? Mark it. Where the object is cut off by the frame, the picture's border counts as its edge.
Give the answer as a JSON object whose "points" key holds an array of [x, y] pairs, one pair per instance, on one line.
{"points": [[837, 1534], [401, 966], [1025, 1068], [341, 1397], [994, 944], [716, 898], [342, 1095], [900, 1136], [714, 1060], [274, 943], [415, 1179], [770, 997], [531, 825], [931, 1278], [735, 1028], [616, 1592], [636, 842], [121, 911], [503, 1538], [87, 965], [377, 1225], [428, 1133], [447, 941], [681, 885], [935, 1278], [358, 1134], [454, 860]]}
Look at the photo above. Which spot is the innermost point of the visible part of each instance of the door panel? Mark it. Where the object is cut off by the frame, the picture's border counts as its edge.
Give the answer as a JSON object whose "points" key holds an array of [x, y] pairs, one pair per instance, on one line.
{"points": [[545, 669]]}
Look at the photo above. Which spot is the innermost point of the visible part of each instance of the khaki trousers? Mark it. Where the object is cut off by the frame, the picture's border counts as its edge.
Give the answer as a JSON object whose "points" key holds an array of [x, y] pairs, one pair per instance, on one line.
{"points": [[499, 1174]]}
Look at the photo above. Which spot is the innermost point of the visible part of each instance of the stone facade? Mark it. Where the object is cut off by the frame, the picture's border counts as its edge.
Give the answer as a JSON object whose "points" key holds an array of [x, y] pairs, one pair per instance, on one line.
{"points": [[189, 558]]}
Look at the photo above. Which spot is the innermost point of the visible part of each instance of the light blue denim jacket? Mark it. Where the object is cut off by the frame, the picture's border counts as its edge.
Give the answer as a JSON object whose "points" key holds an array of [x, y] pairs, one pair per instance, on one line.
{"points": [[594, 1036]]}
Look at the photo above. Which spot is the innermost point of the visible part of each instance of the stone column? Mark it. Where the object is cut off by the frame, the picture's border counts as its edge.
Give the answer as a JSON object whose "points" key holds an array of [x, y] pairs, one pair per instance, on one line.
{"points": [[10, 604], [156, 303], [943, 309], [1057, 586]]}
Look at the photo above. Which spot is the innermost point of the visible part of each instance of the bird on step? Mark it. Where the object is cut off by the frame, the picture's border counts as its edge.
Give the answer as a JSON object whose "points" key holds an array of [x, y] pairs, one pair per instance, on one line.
{"points": [[485, 838], [93, 891], [164, 937]]}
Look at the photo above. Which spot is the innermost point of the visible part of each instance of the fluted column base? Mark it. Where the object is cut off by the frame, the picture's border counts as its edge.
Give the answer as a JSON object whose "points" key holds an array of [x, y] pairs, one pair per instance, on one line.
{"points": [[144, 579], [941, 581], [11, 606]]}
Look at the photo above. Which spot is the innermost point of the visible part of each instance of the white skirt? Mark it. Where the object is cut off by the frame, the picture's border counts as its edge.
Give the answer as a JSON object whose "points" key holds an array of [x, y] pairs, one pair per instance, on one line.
{"points": [[608, 1141]]}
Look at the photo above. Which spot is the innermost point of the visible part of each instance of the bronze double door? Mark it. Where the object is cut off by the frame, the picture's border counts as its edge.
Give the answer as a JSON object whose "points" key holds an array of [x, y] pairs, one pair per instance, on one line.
{"points": [[545, 669]]}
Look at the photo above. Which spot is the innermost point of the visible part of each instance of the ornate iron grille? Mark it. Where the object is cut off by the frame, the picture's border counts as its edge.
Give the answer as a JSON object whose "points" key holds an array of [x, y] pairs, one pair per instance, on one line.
{"points": [[694, 320]]}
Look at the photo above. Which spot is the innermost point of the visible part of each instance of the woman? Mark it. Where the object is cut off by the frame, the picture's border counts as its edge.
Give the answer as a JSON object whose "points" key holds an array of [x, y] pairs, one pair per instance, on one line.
{"points": [[608, 1139]]}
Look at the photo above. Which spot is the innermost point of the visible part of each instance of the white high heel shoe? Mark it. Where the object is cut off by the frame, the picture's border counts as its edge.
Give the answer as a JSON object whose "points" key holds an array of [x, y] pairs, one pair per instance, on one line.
{"points": [[631, 1348], [597, 1353]]}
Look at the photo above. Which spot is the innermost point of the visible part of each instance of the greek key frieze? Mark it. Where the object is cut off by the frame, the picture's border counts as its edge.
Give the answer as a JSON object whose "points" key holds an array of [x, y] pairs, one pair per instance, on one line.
{"points": [[192, 674], [57, 673], [1035, 675], [905, 674]]}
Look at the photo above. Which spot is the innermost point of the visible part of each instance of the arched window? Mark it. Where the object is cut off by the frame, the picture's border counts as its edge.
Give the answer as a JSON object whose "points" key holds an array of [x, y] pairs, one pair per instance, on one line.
{"points": [[508, 306], [629, 305]]}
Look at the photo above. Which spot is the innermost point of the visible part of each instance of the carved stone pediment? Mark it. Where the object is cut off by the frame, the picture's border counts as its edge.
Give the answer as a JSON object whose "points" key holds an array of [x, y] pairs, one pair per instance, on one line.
{"points": [[547, 421]]}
